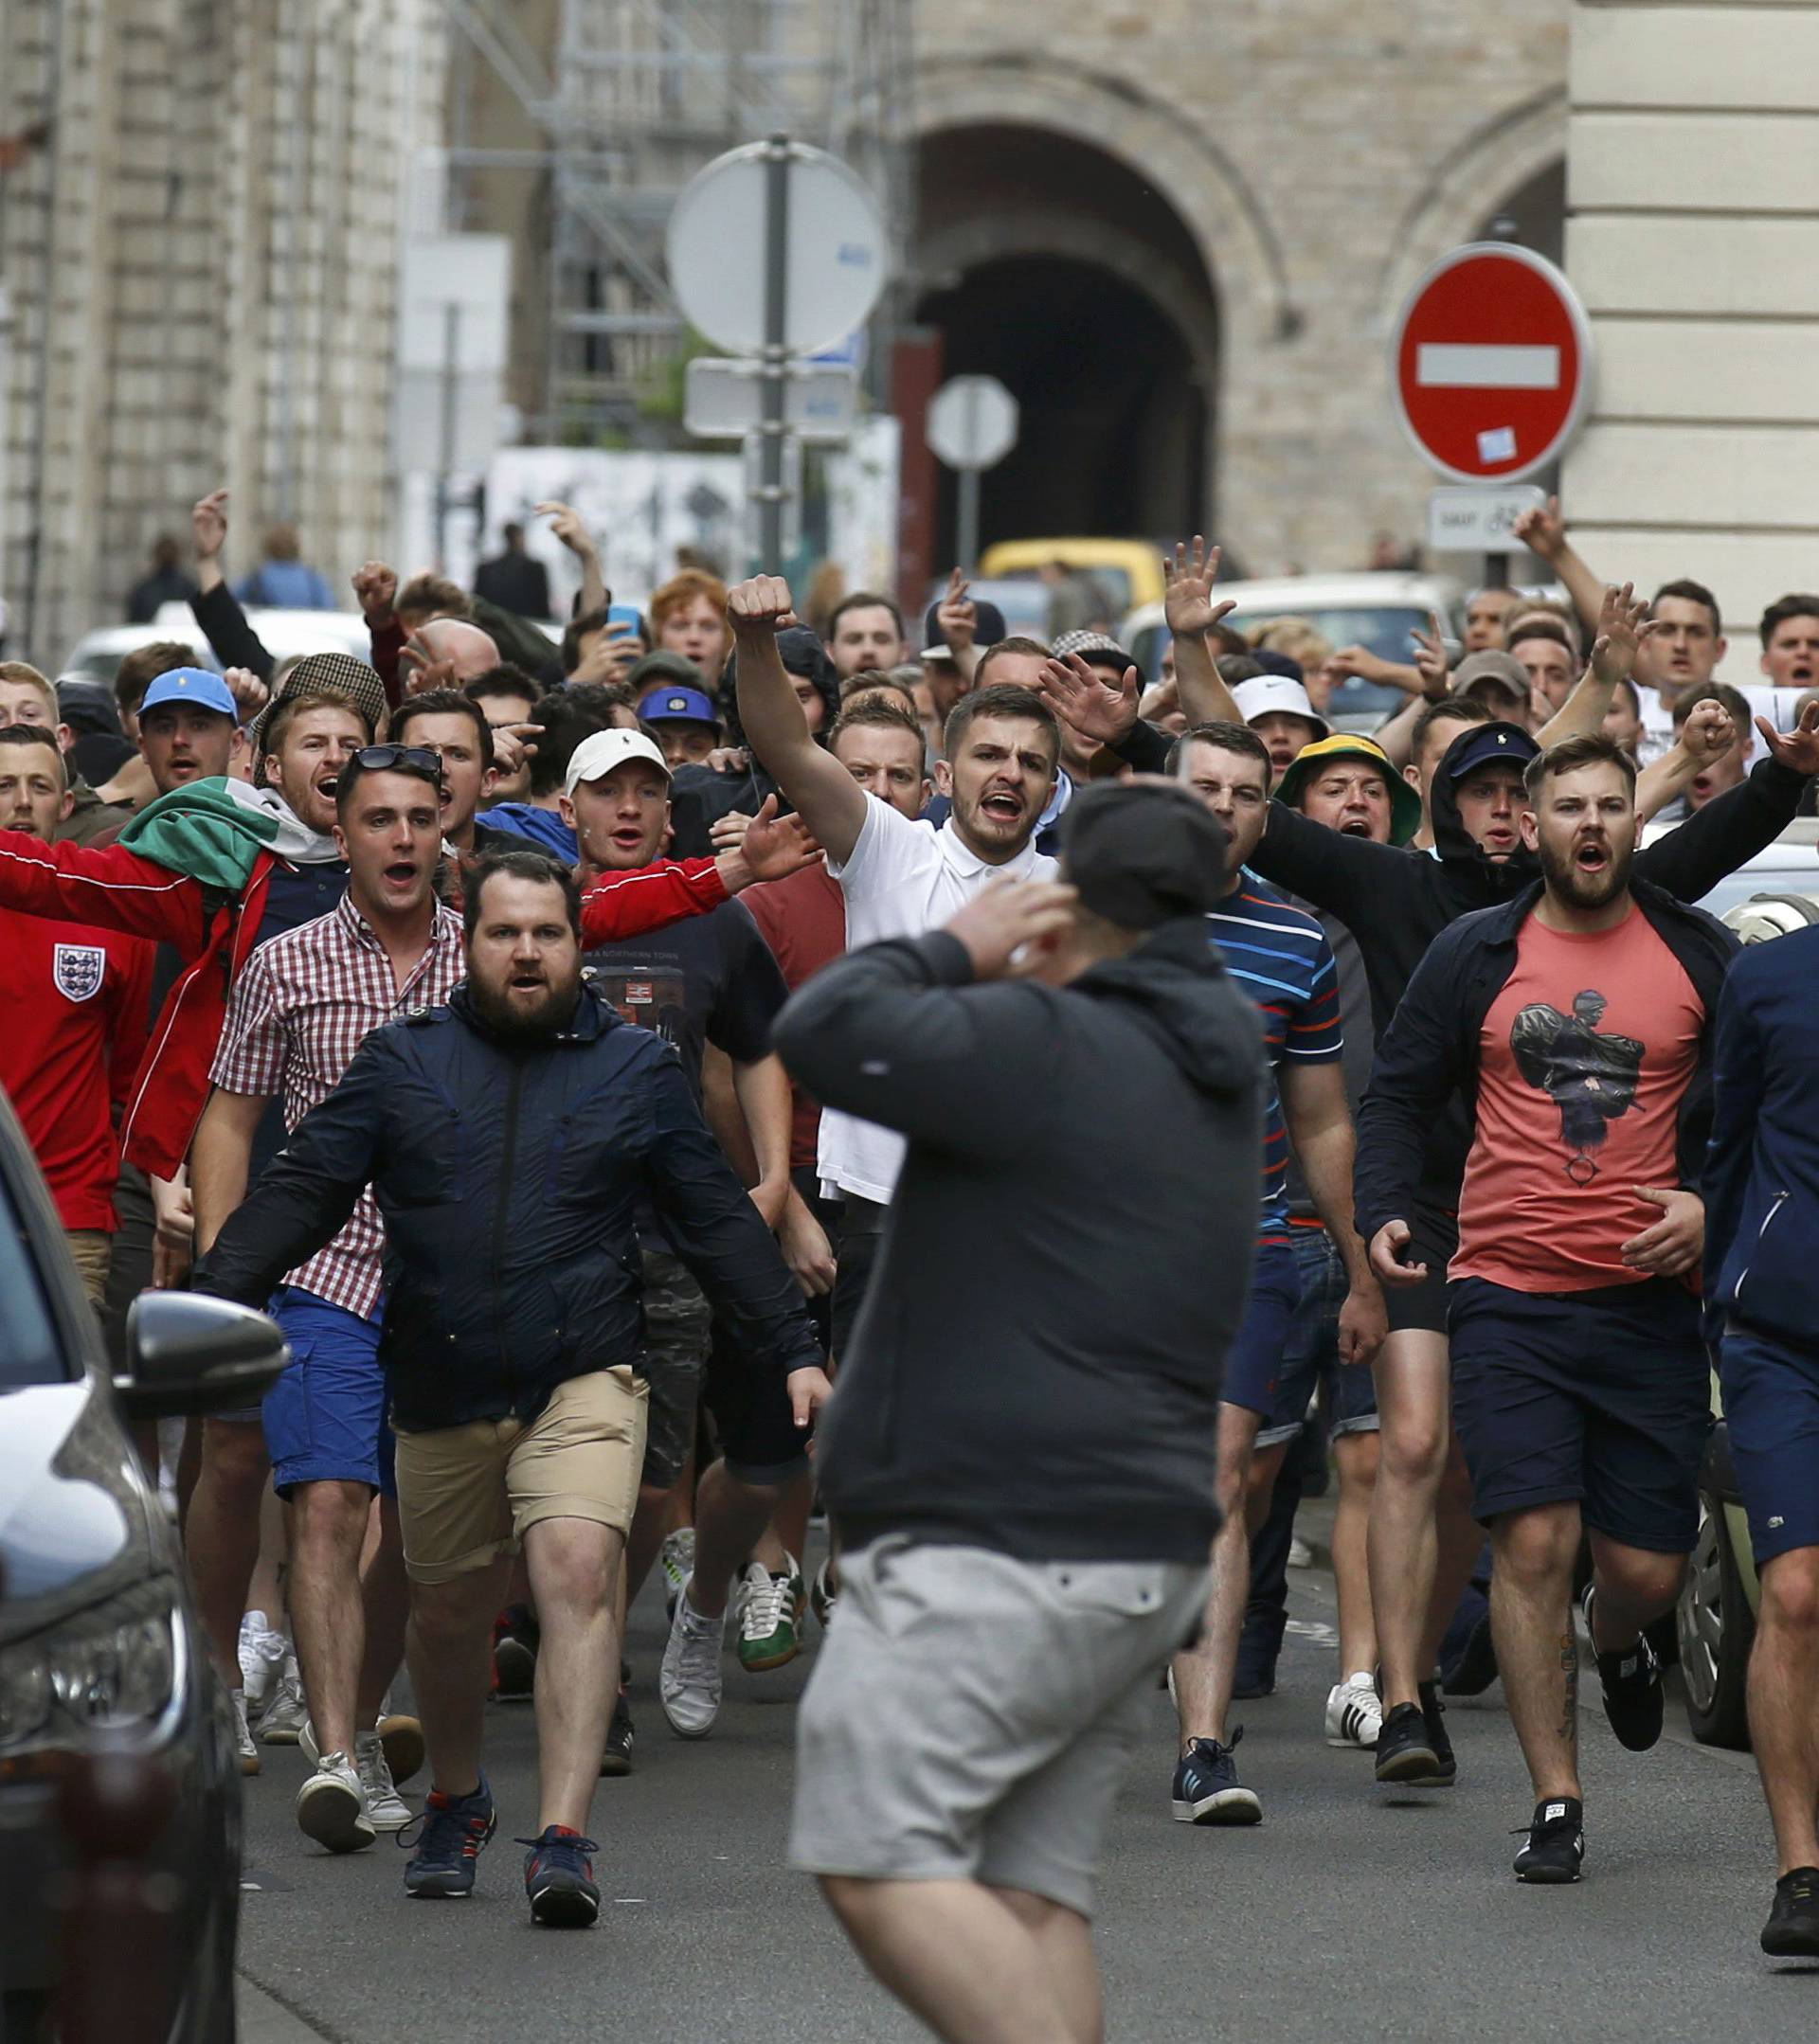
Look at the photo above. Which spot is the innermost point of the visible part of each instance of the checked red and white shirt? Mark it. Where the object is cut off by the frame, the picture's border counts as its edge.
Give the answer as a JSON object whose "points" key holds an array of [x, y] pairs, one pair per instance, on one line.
{"points": [[299, 1010]]}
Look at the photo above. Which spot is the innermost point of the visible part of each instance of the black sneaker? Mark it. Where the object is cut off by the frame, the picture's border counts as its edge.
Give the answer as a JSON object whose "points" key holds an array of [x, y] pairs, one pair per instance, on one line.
{"points": [[515, 1640], [1792, 1928], [617, 1759], [559, 1879], [1476, 1668], [1433, 1712], [1556, 1843], [1207, 1790], [1630, 1679], [1405, 1753]]}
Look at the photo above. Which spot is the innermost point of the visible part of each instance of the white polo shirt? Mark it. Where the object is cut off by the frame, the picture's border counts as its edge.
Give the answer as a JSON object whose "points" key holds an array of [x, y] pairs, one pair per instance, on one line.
{"points": [[904, 878]]}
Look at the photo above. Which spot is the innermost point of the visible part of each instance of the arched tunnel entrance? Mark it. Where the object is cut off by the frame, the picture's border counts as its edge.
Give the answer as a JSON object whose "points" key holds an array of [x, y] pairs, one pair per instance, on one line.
{"points": [[1052, 266]]}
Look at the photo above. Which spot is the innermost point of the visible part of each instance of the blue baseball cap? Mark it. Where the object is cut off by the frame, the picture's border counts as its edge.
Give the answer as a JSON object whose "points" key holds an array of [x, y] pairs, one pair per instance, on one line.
{"points": [[678, 705], [1478, 744], [194, 684]]}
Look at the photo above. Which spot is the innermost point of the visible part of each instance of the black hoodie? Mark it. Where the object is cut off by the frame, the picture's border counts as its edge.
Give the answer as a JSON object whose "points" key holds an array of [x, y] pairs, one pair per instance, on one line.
{"points": [[720, 794], [1037, 1366]]}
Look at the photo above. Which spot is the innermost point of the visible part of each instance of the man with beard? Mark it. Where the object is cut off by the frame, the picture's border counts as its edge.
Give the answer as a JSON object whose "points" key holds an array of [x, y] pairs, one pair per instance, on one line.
{"points": [[1579, 1377], [509, 1138], [1423, 1539]]}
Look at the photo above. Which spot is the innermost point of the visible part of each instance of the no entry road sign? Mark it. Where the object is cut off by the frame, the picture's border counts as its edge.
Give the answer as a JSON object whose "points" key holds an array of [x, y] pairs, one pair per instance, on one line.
{"points": [[1490, 363]]}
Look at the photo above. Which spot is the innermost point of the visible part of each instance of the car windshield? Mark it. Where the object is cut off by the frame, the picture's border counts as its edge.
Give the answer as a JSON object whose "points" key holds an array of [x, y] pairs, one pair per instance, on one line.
{"points": [[29, 1349]]}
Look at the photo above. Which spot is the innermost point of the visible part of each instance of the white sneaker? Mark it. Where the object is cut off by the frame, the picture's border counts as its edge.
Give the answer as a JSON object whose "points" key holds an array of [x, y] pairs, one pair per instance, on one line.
{"points": [[286, 1715], [244, 1747], [676, 1560], [690, 1681], [384, 1805], [261, 1659], [1354, 1712], [331, 1806], [1300, 1554]]}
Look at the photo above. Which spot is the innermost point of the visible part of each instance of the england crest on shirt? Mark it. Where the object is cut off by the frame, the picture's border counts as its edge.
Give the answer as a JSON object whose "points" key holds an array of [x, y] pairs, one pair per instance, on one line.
{"points": [[77, 970]]}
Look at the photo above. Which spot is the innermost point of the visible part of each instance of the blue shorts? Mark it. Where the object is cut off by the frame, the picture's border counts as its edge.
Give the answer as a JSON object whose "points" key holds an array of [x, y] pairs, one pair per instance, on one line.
{"points": [[1771, 1410], [325, 1417], [1600, 1397], [1253, 1371], [1311, 1354]]}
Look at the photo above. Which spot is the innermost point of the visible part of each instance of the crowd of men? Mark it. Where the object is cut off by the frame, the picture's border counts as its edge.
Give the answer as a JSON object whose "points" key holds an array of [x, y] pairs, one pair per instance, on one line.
{"points": [[1392, 1079]]}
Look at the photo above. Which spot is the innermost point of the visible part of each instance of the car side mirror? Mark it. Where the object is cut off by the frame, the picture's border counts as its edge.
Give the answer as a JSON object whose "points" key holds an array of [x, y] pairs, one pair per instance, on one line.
{"points": [[188, 1352]]}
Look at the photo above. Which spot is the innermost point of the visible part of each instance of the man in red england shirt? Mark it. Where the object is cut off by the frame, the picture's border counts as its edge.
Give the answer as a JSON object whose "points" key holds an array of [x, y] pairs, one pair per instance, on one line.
{"points": [[76, 1019], [1576, 1021]]}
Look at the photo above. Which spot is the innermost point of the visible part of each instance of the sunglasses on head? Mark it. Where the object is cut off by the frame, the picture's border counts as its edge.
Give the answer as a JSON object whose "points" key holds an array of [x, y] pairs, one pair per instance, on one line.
{"points": [[399, 758]]}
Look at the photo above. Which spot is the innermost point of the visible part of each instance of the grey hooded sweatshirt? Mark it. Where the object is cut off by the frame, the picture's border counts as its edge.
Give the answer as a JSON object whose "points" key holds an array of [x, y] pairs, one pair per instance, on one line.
{"points": [[1037, 1366]]}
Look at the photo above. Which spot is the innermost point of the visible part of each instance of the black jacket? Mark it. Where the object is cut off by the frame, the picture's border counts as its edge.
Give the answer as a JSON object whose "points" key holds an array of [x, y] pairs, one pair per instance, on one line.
{"points": [[1396, 901], [509, 1180], [1429, 1056], [1761, 1182], [1037, 1366]]}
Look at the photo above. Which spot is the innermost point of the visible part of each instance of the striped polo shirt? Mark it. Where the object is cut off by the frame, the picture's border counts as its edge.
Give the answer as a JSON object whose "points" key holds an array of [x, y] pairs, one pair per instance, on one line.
{"points": [[1284, 961]]}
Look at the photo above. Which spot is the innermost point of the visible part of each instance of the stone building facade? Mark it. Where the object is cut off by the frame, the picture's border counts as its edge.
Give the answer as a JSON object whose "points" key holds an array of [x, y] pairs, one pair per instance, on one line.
{"points": [[202, 268], [1695, 244]]}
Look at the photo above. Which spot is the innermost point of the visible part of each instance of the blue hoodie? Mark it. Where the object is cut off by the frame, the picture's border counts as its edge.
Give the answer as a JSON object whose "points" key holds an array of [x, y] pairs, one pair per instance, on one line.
{"points": [[1762, 1180], [542, 827]]}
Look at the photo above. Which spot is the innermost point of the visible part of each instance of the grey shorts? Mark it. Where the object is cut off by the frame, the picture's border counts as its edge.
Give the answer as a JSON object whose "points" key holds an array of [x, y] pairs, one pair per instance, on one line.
{"points": [[970, 1716]]}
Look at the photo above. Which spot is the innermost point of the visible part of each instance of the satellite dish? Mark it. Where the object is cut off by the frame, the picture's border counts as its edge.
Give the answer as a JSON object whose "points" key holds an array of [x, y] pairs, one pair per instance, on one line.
{"points": [[836, 250]]}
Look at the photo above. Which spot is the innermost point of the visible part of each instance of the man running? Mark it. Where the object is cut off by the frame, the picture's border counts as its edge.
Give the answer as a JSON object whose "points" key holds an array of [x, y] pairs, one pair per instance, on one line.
{"points": [[1575, 1022], [1761, 1269], [508, 1138], [1020, 1563]]}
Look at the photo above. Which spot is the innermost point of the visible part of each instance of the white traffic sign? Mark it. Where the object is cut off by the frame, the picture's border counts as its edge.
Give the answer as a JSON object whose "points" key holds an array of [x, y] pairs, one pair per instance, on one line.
{"points": [[1478, 520], [972, 423], [725, 399], [835, 252]]}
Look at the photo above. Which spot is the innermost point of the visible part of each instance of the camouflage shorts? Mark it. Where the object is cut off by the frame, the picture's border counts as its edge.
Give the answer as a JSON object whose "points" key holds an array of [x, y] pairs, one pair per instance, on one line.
{"points": [[677, 1324]]}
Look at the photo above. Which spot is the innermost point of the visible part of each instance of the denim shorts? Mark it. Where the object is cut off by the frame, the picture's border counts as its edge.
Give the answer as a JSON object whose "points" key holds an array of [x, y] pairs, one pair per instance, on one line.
{"points": [[325, 1417], [1772, 1411], [1601, 1397], [1310, 1356], [1253, 1370]]}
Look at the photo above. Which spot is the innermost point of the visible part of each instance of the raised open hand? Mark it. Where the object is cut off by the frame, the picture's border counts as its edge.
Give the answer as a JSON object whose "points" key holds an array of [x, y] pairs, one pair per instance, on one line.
{"points": [[1188, 575], [1624, 622], [1087, 701]]}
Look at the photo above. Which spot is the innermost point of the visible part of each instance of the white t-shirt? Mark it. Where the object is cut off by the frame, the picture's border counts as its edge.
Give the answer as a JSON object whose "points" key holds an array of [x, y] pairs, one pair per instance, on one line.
{"points": [[1776, 705], [904, 878]]}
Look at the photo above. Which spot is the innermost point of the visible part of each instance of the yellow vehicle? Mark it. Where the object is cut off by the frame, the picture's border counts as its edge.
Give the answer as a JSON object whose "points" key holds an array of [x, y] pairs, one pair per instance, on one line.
{"points": [[1128, 570]]}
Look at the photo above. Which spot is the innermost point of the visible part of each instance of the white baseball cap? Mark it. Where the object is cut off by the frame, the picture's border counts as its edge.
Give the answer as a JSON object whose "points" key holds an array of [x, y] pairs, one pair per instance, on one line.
{"points": [[1263, 693], [600, 751]]}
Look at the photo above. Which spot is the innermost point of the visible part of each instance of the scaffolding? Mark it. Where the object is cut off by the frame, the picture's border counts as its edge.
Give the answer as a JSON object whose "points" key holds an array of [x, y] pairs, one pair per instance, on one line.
{"points": [[630, 99]]}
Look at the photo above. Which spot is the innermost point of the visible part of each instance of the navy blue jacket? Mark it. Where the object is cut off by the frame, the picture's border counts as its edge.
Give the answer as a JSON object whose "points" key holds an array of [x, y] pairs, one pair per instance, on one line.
{"points": [[508, 1177], [1761, 1181], [1429, 1052]]}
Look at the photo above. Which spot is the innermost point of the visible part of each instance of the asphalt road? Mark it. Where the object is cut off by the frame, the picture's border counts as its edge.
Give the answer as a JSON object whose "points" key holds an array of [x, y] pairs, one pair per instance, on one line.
{"points": [[1345, 1914]]}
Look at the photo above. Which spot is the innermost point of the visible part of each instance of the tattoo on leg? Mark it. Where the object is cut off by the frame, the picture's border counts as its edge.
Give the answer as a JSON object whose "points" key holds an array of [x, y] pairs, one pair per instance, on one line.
{"points": [[1570, 1669]]}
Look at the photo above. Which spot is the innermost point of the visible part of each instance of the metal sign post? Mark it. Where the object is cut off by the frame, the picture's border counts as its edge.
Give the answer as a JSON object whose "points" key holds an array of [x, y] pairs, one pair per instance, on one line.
{"points": [[972, 425], [770, 479]]}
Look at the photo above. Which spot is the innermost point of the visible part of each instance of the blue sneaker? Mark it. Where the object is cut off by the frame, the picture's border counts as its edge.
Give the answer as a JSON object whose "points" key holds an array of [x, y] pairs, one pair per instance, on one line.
{"points": [[455, 1834], [1207, 1790], [559, 1878]]}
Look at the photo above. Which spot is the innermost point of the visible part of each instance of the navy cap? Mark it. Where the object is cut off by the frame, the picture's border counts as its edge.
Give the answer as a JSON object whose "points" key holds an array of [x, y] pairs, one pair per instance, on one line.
{"points": [[1480, 743], [679, 705], [191, 685]]}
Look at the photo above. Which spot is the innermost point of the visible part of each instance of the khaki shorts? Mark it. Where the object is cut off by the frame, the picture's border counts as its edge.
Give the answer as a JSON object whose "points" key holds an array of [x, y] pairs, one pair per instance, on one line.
{"points": [[466, 1495], [92, 1250]]}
